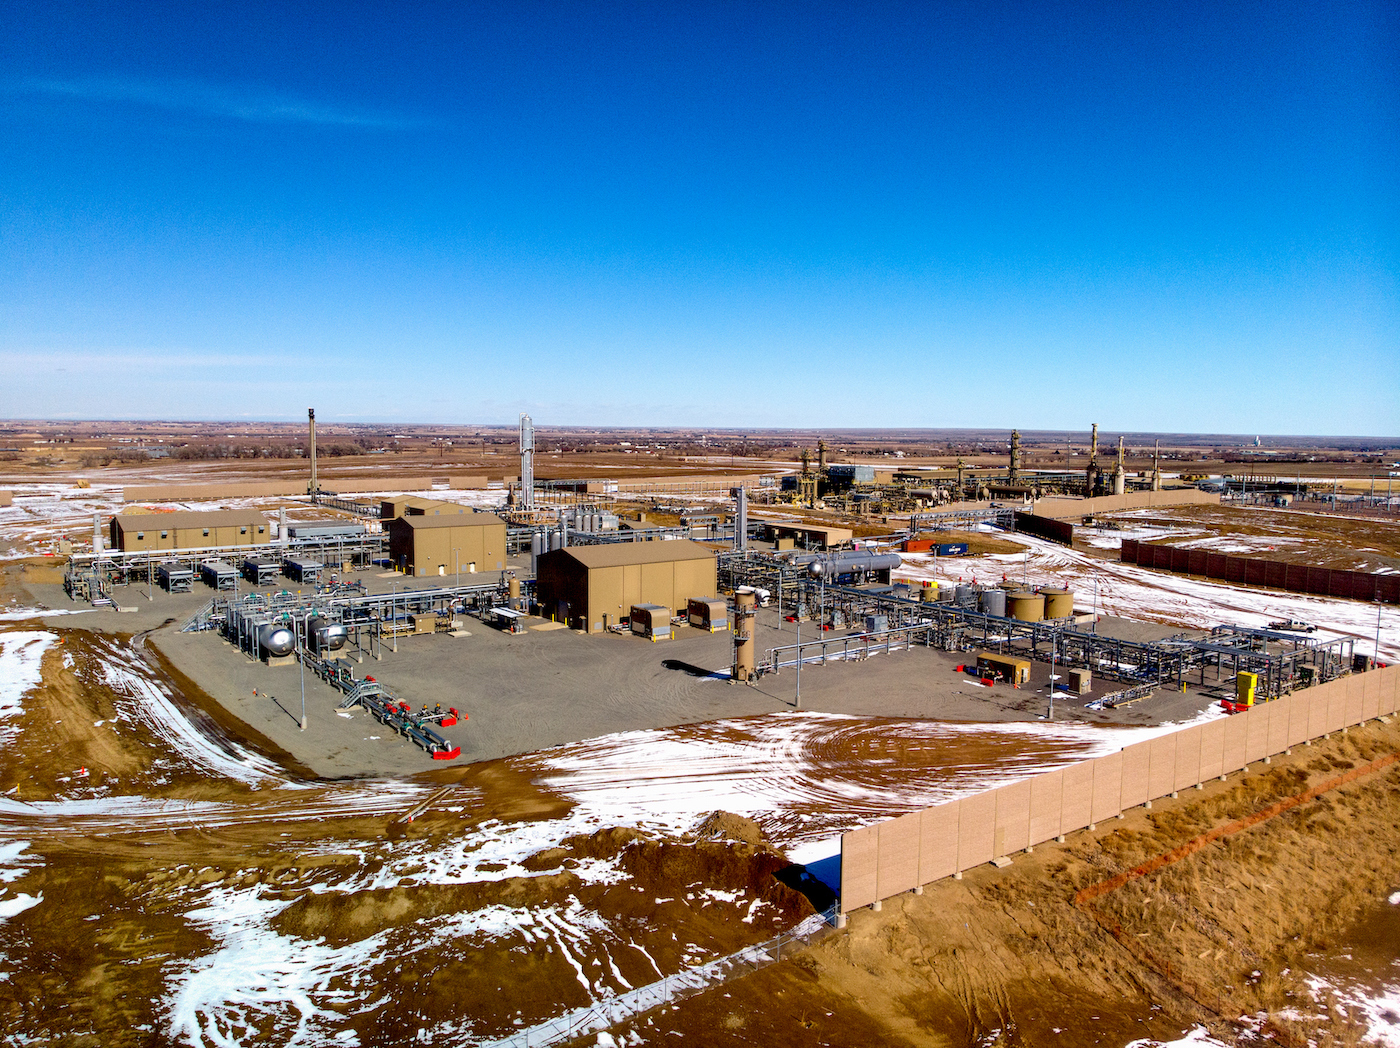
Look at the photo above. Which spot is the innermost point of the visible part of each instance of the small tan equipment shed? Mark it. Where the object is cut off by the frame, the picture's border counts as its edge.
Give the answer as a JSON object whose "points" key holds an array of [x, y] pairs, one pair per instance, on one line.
{"points": [[708, 613], [651, 621], [1004, 667]]}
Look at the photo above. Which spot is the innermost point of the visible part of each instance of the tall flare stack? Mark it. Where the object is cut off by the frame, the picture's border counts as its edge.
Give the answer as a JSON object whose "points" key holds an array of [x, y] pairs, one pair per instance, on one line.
{"points": [[313, 488], [527, 463], [1091, 473]]}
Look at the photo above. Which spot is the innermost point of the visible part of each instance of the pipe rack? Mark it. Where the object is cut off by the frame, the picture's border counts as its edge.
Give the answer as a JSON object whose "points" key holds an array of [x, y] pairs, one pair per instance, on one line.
{"points": [[951, 627]]}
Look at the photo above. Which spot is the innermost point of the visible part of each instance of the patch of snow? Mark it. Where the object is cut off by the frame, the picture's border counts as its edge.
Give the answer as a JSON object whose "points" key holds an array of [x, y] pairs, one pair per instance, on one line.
{"points": [[1197, 1035], [257, 976], [21, 659], [1377, 1007], [772, 769], [16, 904], [126, 674], [39, 613]]}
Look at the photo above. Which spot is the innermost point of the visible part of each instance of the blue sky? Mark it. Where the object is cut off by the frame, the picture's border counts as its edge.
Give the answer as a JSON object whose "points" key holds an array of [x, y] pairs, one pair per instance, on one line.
{"points": [[1158, 217]]}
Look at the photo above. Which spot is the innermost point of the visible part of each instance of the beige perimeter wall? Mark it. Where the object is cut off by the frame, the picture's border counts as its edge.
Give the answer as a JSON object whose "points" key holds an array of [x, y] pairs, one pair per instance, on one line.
{"points": [[267, 489], [1063, 508], [888, 858]]}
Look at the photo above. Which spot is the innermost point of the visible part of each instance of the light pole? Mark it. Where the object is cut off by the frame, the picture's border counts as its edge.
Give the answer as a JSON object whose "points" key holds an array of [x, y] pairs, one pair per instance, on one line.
{"points": [[1096, 602], [457, 566], [1378, 632]]}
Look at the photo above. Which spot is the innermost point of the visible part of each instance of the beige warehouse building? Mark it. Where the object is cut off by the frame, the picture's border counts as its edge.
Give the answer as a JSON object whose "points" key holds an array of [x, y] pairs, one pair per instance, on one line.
{"points": [[449, 544], [188, 530], [413, 506], [594, 587]]}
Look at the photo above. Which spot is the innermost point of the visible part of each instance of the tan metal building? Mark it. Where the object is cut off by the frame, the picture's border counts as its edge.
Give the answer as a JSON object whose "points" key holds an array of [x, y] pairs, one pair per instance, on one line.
{"points": [[811, 536], [450, 544], [594, 587], [414, 506], [190, 529]]}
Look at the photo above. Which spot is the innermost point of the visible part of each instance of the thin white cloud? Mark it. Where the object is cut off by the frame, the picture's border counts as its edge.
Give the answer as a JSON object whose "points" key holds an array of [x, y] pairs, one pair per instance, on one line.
{"points": [[233, 102], [123, 361]]}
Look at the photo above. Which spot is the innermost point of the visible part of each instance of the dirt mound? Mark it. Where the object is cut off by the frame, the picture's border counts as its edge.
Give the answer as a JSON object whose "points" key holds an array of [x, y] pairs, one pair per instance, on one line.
{"points": [[350, 917], [724, 826], [722, 866]]}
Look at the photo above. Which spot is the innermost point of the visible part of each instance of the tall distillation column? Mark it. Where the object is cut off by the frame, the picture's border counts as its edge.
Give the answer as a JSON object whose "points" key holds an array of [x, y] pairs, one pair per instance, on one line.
{"points": [[527, 463], [1120, 482], [1014, 471]]}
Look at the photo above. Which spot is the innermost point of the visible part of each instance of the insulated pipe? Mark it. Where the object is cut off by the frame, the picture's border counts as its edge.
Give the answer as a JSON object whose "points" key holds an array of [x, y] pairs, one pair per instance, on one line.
{"points": [[843, 563]]}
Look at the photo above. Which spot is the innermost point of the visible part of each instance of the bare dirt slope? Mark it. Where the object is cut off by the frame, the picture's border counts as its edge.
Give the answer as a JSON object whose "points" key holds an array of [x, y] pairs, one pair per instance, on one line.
{"points": [[1023, 956]]}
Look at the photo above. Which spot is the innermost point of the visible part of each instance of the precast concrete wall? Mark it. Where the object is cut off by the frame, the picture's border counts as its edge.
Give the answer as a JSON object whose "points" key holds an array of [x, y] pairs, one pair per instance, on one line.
{"points": [[888, 858], [266, 489], [1255, 571], [1045, 527], [1065, 508]]}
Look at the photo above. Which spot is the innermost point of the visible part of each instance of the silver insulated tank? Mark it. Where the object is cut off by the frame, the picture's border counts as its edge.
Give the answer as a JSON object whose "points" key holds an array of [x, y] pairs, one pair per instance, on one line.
{"points": [[965, 595], [325, 634], [850, 563], [556, 539], [536, 544], [276, 639], [994, 602]]}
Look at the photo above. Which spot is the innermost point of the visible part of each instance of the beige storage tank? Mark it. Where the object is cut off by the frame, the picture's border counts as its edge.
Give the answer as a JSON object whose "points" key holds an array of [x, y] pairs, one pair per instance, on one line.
{"points": [[1059, 603], [1025, 606], [928, 593]]}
